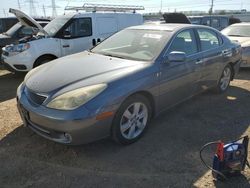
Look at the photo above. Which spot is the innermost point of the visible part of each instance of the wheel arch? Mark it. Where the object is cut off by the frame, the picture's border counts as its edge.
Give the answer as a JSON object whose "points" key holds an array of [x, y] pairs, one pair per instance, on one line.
{"points": [[148, 96], [232, 69], [52, 56]]}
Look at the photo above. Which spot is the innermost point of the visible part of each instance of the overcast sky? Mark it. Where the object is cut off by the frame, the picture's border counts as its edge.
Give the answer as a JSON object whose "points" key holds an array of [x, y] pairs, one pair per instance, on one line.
{"points": [[150, 5]]}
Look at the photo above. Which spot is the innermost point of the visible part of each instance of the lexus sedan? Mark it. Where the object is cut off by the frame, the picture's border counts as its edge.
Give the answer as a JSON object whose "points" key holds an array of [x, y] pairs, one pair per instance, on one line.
{"points": [[118, 86], [240, 33]]}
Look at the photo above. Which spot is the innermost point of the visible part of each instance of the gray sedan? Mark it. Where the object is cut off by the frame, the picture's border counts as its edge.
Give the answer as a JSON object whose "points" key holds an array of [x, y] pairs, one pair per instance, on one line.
{"points": [[118, 86]]}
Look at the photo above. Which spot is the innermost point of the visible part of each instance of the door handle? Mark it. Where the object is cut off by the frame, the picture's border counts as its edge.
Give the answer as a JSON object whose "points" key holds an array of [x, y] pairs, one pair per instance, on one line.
{"points": [[226, 52], [66, 46], [198, 62]]}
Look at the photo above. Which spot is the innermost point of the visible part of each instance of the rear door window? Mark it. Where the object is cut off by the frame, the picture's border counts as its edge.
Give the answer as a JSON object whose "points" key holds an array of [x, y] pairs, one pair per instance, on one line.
{"points": [[184, 42], [208, 39]]}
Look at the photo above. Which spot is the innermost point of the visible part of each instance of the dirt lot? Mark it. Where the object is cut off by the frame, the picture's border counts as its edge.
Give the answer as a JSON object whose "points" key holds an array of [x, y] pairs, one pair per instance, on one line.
{"points": [[167, 156]]}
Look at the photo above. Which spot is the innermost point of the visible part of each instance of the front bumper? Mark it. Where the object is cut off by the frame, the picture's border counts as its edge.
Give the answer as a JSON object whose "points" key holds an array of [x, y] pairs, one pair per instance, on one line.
{"points": [[22, 62], [66, 127]]}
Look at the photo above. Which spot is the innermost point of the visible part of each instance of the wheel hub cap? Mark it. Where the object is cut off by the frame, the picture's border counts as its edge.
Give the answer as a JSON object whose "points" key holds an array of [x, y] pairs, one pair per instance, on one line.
{"points": [[134, 120]]}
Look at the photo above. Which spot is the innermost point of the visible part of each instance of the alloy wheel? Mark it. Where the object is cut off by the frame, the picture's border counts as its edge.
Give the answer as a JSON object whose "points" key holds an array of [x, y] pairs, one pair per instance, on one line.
{"points": [[225, 78], [134, 120]]}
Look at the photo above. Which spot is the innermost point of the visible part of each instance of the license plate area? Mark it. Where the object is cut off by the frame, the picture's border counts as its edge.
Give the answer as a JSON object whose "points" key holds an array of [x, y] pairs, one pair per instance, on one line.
{"points": [[24, 114]]}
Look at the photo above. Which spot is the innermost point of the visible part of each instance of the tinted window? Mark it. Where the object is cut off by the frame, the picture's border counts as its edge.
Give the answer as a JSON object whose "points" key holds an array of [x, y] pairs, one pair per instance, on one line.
{"points": [[195, 20], [184, 42], [224, 22], [209, 39], [215, 22], [81, 27], [206, 21]]}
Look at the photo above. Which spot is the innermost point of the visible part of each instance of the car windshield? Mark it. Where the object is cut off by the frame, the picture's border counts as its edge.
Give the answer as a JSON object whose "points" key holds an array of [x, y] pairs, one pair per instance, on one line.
{"points": [[135, 44], [55, 25], [238, 31], [13, 29]]}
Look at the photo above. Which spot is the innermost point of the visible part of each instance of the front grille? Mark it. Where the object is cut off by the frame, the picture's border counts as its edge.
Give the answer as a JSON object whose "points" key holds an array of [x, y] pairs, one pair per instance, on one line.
{"points": [[35, 97]]}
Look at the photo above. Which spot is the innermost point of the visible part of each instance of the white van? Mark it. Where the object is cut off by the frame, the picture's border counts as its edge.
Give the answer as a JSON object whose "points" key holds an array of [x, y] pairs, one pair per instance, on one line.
{"points": [[66, 34]]}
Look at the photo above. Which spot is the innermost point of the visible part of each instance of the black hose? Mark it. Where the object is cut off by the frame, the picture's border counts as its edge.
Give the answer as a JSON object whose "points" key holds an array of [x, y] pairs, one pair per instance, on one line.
{"points": [[209, 167]]}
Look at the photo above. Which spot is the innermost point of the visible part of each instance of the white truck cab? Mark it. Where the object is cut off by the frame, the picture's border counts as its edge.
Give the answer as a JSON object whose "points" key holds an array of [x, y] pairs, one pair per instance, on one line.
{"points": [[66, 34]]}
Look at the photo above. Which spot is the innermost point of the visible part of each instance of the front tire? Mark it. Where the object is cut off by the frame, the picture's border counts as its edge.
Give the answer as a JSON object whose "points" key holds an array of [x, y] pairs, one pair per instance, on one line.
{"points": [[42, 60], [131, 119], [225, 79]]}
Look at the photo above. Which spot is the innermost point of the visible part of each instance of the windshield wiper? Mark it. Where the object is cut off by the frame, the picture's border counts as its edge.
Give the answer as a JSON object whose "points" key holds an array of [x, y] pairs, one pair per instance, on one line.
{"points": [[236, 35], [111, 55]]}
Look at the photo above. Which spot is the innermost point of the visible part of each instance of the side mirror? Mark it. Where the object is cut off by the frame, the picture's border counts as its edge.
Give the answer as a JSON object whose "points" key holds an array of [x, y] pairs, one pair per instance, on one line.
{"points": [[177, 56], [66, 34]]}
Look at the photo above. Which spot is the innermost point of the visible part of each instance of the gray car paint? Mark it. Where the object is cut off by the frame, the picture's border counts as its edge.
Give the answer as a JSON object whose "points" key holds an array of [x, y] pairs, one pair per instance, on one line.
{"points": [[163, 82]]}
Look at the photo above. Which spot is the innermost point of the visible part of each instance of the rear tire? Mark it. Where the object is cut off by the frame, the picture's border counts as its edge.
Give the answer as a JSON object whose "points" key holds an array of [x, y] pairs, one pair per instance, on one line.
{"points": [[224, 80], [131, 120]]}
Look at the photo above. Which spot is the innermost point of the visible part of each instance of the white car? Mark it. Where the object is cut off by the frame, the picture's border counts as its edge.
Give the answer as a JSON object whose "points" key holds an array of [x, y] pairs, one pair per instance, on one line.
{"points": [[66, 34]]}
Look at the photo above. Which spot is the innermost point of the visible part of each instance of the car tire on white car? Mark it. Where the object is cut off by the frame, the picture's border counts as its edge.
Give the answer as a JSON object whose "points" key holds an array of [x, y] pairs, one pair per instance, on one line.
{"points": [[131, 119], [225, 79], [42, 60]]}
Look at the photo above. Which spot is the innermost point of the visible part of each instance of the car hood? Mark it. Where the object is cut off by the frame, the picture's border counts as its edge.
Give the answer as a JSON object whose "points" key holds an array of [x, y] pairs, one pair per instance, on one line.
{"points": [[27, 20], [244, 41], [79, 67]]}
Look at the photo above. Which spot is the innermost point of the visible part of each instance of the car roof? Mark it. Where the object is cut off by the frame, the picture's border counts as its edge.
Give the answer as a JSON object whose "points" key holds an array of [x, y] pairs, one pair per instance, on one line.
{"points": [[167, 27], [242, 23], [208, 16]]}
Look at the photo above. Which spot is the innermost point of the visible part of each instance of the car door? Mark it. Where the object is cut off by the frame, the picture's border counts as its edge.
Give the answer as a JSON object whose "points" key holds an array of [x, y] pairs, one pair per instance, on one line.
{"points": [[179, 80], [77, 36], [212, 57]]}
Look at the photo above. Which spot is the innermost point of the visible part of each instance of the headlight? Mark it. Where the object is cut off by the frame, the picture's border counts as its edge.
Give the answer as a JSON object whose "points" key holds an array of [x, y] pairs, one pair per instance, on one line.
{"points": [[15, 49], [19, 90], [73, 99]]}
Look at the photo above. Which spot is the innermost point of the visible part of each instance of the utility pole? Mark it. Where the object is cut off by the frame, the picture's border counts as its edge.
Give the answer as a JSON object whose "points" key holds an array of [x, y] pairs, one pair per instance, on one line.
{"points": [[32, 8], [18, 3], [53, 4], [4, 12], [161, 7], [44, 11], [211, 8]]}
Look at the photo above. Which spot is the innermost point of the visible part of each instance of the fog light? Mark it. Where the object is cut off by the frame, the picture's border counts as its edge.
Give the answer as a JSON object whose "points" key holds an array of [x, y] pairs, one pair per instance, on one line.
{"points": [[68, 137]]}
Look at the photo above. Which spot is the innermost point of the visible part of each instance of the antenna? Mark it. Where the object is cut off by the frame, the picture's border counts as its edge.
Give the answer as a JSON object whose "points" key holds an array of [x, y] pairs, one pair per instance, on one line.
{"points": [[105, 7], [44, 11]]}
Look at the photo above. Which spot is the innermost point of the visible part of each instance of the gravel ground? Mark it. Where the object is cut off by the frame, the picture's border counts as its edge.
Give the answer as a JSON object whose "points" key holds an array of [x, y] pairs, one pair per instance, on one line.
{"points": [[167, 156]]}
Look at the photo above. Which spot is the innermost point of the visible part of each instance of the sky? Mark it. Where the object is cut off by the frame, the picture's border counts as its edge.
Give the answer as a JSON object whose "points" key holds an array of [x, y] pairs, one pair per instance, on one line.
{"points": [[150, 5]]}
